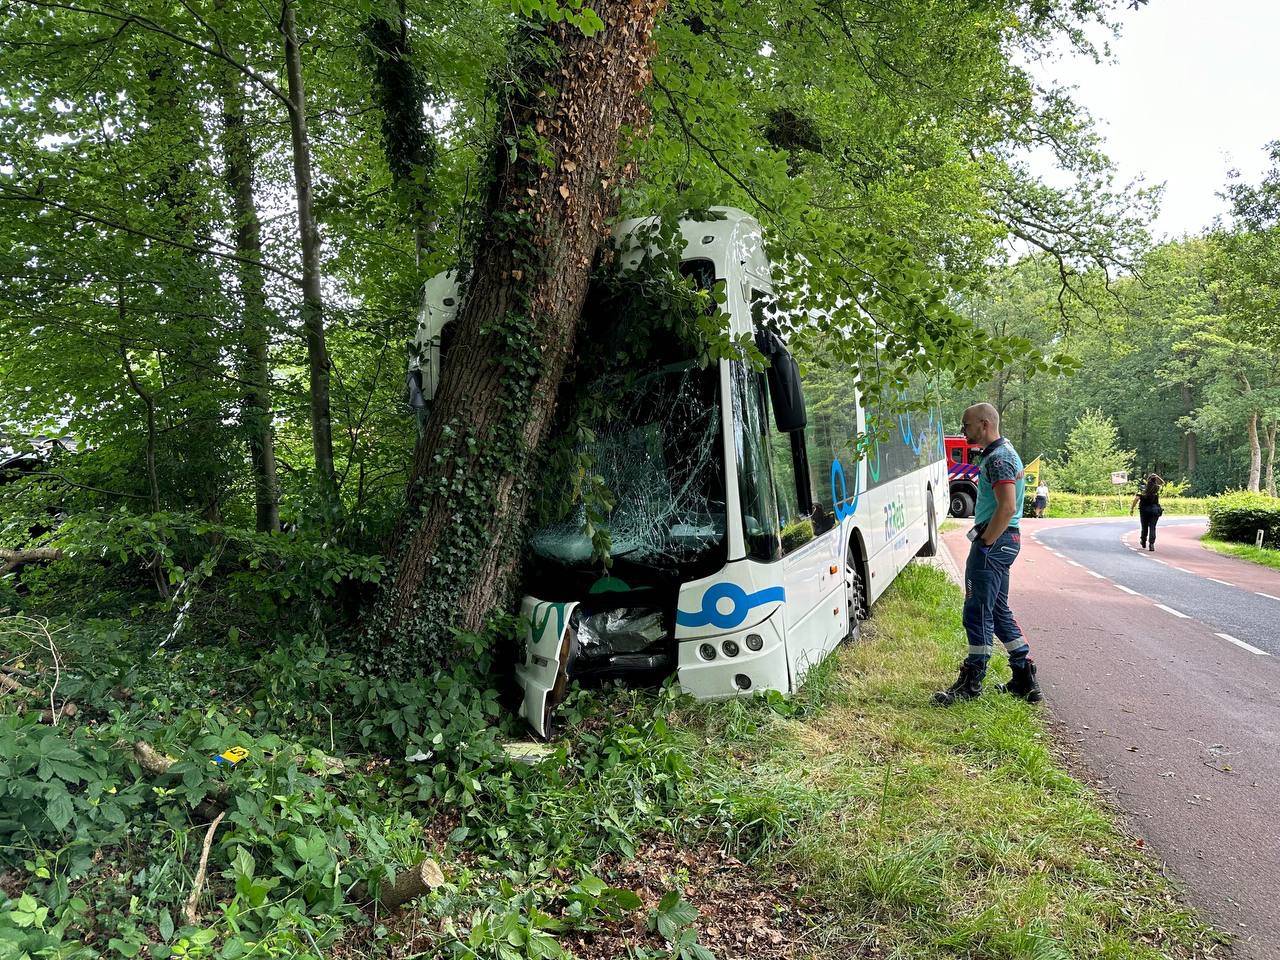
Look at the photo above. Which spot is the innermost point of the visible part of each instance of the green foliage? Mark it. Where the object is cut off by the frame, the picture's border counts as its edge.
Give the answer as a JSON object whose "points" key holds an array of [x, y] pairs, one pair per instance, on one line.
{"points": [[1115, 505], [1239, 515], [1092, 456], [797, 533]]}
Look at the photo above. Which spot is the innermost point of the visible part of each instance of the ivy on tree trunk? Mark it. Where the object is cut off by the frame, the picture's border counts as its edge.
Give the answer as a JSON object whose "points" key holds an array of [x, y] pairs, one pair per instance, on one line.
{"points": [[552, 199]]}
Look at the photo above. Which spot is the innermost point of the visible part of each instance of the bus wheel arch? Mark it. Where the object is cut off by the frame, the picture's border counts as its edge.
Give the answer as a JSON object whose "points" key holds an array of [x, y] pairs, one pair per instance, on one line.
{"points": [[930, 546], [857, 587]]}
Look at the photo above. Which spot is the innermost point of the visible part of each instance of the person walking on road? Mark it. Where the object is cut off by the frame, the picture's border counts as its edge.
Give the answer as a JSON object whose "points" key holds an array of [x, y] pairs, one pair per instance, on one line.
{"points": [[1042, 500], [1149, 510], [996, 543]]}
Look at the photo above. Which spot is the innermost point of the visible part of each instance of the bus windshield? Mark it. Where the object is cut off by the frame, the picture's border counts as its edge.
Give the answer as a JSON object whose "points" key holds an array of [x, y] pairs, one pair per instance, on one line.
{"points": [[656, 443]]}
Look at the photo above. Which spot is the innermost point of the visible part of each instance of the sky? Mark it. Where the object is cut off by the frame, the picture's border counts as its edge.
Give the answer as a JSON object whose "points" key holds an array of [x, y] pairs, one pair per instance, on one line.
{"points": [[1192, 90]]}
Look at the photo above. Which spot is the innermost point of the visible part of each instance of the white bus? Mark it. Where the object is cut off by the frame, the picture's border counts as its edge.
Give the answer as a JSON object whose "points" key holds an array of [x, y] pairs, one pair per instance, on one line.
{"points": [[748, 534]]}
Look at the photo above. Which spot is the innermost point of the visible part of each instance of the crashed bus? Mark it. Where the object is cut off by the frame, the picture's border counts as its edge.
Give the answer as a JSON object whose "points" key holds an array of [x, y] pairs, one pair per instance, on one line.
{"points": [[754, 521]]}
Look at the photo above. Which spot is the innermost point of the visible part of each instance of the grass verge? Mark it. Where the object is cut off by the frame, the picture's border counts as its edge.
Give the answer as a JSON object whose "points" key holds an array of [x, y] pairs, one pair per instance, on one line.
{"points": [[932, 833], [1263, 556]]}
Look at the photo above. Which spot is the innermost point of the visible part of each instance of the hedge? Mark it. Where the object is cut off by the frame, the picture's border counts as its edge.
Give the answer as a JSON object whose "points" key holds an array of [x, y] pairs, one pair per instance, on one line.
{"points": [[1114, 505], [1238, 516]]}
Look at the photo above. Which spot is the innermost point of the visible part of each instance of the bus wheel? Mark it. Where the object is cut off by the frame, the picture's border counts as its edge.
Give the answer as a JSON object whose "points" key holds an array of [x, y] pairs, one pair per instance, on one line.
{"points": [[930, 546], [855, 591]]}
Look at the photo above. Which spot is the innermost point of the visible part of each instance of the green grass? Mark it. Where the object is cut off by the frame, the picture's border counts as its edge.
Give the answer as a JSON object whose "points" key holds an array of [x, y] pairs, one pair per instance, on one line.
{"points": [[936, 833], [1263, 556]]}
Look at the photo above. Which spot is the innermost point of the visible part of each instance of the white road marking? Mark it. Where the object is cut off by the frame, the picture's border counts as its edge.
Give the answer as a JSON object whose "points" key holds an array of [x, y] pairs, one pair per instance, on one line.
{"points": [[1098, 575], [1176, 613], [1223, 582], [1240, 643], [1267, 595], [1120, 586], [1185, 570], [1074, 564], [1161, 562]]}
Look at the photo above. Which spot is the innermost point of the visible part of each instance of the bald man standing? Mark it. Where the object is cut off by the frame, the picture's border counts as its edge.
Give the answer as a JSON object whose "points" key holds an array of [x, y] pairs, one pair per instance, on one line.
{"points": [[996, 542]]}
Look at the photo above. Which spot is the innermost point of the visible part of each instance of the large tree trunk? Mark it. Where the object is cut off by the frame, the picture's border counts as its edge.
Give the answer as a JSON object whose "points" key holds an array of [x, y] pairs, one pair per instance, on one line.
{"points": [[546, 216], [255, 365], [309, 235], [1255, 454]]}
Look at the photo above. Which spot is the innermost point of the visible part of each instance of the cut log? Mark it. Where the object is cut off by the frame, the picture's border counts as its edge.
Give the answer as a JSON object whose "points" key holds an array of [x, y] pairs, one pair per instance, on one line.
{"points": [[412, 883]]}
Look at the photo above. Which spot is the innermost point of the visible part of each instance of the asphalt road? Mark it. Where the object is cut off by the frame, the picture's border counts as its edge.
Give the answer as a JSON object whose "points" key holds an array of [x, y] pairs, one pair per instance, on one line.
{"points": [[1162, 670]]}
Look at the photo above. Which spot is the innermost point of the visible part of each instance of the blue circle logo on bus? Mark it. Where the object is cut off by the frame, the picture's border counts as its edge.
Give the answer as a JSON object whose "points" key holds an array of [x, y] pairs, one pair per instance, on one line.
{"points": [[840, 502], [741, 600]]}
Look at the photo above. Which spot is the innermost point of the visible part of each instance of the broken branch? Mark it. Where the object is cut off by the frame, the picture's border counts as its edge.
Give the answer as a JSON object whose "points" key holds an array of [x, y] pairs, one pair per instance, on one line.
{"points": [[189, 911]]}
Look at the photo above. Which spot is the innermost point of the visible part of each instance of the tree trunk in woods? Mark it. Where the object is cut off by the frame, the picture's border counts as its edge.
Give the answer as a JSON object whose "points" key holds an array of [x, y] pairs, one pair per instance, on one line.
{"points": [[1026, 417], [309, 236], [1271, 459], [546, 215], [1255, 454], [255, 365], [399, 91], [1192, 457]]}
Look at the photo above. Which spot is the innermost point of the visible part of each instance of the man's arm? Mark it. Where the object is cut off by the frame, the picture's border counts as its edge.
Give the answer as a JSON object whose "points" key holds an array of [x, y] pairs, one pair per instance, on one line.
{"points": [[1006, 503]]}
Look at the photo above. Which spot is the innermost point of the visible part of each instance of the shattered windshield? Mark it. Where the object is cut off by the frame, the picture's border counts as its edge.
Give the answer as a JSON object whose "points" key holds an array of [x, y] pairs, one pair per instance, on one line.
{"points": [[656, 446], [660, 458]]}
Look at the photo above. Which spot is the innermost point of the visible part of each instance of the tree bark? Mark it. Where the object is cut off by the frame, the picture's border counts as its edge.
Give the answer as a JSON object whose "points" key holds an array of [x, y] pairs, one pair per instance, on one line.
{"points": [[1255, 453], [237, 151], [399, 91], [309, 238], [1191, 451], [545, 217], [1271, 459]]}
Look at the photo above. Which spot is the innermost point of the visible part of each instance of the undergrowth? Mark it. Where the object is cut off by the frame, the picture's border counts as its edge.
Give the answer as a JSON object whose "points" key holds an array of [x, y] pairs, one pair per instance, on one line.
{"points": [[908, 831]]}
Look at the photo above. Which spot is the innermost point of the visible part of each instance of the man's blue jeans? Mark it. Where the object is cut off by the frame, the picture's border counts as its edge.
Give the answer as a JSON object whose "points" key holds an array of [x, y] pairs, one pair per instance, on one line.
{"points": [[986, 601]]}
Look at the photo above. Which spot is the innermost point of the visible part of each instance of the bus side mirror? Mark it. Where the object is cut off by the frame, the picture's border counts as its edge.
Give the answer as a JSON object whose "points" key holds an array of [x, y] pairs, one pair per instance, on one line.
{"points": [[784, 383], [413, 390]]}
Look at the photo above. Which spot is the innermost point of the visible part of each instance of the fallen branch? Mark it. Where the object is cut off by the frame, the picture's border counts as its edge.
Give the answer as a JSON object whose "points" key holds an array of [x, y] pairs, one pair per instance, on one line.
{"points": [[189, 911], [151, 760], [50, 716], [12, 559]]}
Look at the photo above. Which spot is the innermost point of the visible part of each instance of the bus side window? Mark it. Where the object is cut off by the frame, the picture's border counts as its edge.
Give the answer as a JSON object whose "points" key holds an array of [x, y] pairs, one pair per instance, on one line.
{"points": [[751, 426], [788, 460]]}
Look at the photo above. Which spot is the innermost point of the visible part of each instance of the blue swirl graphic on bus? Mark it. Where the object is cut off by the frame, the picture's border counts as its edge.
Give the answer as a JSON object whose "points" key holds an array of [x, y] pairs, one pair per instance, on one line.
{"points": [[743, 602], [840, 502], [908, 433]]}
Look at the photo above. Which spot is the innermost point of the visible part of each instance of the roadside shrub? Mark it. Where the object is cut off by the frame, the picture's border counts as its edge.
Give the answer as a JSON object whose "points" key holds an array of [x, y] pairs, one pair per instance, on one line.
{"points": [[1237, 516]]}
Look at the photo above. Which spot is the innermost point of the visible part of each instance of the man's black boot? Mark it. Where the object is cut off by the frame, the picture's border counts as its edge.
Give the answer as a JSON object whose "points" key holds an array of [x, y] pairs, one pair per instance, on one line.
{"points": [[1024, 684], [967, 686]]}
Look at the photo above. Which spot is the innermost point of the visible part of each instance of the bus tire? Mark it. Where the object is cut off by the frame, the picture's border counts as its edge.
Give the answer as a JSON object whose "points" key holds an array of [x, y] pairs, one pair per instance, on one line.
{"points": [[855, 588], [961, 504], [930, 546]]}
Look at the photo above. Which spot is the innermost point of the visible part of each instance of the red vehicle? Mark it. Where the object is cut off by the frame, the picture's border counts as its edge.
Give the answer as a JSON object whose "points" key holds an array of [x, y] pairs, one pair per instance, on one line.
{"points": [[962, 475]]}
